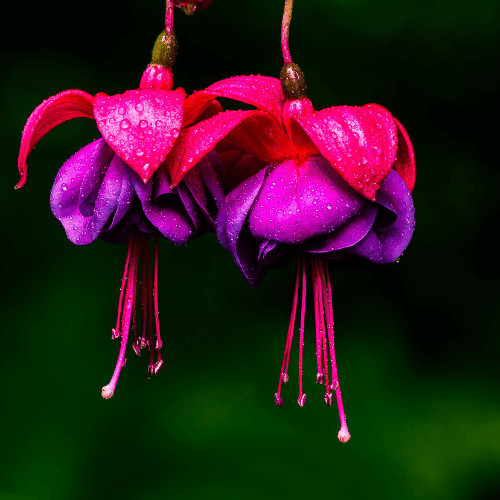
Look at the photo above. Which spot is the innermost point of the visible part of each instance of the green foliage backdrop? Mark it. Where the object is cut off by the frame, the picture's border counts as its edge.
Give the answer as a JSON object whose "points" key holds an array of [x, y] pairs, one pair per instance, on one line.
{"points": [[418, 342]]}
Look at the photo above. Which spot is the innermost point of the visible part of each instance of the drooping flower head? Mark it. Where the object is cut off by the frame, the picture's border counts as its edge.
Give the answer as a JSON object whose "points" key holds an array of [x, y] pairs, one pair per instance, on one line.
{"points": [[118, 188], [335, 184]]}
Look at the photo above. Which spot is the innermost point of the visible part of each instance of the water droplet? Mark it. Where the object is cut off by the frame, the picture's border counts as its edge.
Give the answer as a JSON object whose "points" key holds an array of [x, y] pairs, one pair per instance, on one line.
{"points": [[159, 123], [124, 124], [121, 111], [139, 152], [143, 123], [139, 107]]}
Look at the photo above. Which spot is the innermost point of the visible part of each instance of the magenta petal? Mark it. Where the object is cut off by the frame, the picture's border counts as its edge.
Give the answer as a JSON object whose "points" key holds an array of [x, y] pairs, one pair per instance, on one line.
{"points": [[385, 244], [233, 231], [405, 157], [53, 111], [359, 142], [196, 141], [263, 92], [141, 125], [300, 201]]}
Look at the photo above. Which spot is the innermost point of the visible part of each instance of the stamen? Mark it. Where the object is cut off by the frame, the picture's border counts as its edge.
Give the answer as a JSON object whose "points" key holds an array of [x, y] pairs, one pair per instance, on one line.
{"points": [[289, 339], [143, 343], [343, 434], [115, 332], [320, 377], [108, 390], [151, 368], [159, 363], [302, 397], [135, 346]]}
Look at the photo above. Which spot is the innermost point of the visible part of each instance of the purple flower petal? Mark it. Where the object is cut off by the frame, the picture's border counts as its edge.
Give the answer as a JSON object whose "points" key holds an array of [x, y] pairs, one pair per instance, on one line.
{"points": [[302, 201], [233, 230], [385, 245]]}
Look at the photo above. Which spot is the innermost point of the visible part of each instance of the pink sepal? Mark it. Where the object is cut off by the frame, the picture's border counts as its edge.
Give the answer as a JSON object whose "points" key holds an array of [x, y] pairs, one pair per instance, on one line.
{"points": [[53, 111], [360, 143], [405, 157], [263, 92], [141, 126], [196, 141]]}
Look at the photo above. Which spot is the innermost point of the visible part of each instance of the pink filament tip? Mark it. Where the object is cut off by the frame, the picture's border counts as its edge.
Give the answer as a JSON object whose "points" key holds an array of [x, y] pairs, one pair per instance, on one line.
{"points": [[301, 400], [115, 333], [158, 366], [343, 435], [278, 400]]}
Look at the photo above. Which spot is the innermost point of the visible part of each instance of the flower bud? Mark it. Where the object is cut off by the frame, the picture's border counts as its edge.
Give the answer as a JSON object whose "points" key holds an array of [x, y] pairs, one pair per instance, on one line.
{"points": [[293, 81], [192, 6], [165, 50]]}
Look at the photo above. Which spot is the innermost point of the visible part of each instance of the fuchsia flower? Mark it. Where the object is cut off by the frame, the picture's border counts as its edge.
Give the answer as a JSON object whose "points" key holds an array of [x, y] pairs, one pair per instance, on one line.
{"points": [[335, 184], [118, 189]]}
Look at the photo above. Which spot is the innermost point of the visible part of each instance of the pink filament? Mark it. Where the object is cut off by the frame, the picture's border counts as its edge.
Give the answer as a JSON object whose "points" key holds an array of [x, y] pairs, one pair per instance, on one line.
{"points": [[116, 332], [159, 363], [289, 338], [108, 390], [302, 396]]}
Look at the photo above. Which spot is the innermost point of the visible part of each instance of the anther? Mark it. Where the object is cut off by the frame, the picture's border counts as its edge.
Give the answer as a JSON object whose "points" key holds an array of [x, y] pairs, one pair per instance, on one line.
{"points": [[278, 400], [301, 400], [329, 399], [136, 348], [158, 366], [320, 378], [284, 377], [151, 371], [115, 333]]}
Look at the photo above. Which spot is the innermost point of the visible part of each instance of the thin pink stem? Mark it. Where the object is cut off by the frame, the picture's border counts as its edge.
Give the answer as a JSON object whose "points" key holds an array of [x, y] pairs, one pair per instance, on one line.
{"points": [[116, 332], [285, 31], [144, 295], [159, 363], [169, 17], [302, 396], [289, 339], [150, 313], [320, 378], [343, 434], [108, 390], [134, 308]]}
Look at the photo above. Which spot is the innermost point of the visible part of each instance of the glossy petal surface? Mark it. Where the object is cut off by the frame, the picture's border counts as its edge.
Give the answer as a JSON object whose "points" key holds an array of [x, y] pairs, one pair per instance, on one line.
{"points": [[141, 126], [360, 143], [300, 201], [53, 111]]}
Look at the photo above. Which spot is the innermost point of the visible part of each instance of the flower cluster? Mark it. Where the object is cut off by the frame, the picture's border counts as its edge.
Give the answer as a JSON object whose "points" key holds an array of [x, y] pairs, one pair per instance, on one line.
{"points": [[333, 185]]}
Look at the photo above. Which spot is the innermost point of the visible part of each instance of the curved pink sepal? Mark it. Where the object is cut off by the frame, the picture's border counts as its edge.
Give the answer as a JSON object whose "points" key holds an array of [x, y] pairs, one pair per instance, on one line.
{"points": [[196, 141], [405, 157], [360, 142], [53, 111], [263, 92], [141, 126]]}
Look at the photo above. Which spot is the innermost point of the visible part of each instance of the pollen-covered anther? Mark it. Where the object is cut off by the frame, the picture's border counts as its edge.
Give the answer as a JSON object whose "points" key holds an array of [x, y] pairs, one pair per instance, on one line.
{"points": [[151, 371], [301, 400], [278, 400], [136, 348], [320, 378], [158, 366], [334, 386], [115, 333], [329, 399], [284, 377]]}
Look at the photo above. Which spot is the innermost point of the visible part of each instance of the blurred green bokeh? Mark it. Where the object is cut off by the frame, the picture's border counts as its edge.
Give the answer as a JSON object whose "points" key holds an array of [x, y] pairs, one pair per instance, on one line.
{"points": [[417, 342]]}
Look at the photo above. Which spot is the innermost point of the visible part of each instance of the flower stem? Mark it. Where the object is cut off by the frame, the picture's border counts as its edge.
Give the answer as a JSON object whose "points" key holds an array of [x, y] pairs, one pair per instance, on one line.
{"points": [[285, 31], [169, 17]]}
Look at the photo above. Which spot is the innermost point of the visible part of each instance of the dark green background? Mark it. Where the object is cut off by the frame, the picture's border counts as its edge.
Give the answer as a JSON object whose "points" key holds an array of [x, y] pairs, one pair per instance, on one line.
{"points": [[417, 342]]}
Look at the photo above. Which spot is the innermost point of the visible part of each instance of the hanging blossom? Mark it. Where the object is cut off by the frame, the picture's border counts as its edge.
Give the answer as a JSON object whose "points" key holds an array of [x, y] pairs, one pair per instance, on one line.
{"points": [[118, 189], [334, 184]]}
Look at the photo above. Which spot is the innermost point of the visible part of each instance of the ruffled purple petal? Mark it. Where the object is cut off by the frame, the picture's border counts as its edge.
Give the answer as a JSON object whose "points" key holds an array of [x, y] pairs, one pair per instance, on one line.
{"points": [[165, 212], [233, 229], [86, 165], [385, 244], [302, 201]]}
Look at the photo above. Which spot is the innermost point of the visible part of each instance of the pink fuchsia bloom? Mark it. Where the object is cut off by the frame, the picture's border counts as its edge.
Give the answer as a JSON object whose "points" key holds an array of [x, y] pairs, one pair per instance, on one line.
{"points": [[116, 188], [335, 184]]}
